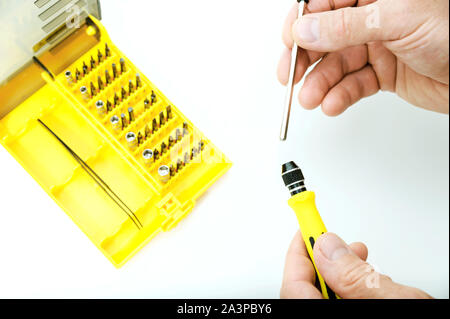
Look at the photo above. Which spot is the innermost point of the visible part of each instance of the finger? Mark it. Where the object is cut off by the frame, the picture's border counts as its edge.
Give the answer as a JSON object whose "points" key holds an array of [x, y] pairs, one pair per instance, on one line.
{"points": [[287, 27], [304, 60], [284, 66], [299, 290], [329, 72], [312, 6], [298, 258], [384, 63], [352, 278], [351, 89], [298, 265], [299, 273], [334, 30], [360, 250]]}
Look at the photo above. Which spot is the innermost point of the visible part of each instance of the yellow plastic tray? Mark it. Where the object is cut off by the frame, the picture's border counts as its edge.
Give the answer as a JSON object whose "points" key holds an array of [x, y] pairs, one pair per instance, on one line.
{"points": [[158, 205]]}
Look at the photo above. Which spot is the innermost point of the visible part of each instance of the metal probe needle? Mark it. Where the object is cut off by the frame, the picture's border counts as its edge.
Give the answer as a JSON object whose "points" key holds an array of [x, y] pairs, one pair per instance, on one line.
{"points": [[290, 85]]}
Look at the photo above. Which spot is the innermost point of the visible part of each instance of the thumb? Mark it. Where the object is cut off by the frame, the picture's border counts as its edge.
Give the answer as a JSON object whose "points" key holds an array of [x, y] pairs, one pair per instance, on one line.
{"points": [[335, 30], [352, 278]]}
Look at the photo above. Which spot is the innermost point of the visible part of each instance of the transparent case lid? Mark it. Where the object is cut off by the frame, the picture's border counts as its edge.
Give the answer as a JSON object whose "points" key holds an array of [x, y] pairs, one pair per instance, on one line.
{"points": [[30, 27]]}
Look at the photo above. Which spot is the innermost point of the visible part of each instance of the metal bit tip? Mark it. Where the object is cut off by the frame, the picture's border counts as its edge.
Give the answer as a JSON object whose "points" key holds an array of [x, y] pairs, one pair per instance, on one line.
{"points": [[290, 85]]}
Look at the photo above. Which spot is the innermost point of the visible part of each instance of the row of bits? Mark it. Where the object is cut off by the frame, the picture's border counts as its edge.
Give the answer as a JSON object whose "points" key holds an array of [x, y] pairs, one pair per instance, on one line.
{"points": [[165, 172], [75, 77], [122, 122], [102, 83], [150, 156], [105, 108], [134, 140]]}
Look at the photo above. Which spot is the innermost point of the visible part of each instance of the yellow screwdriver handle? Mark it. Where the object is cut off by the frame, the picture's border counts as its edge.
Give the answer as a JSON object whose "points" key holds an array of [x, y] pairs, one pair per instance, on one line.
{"points": [[312, 227]]}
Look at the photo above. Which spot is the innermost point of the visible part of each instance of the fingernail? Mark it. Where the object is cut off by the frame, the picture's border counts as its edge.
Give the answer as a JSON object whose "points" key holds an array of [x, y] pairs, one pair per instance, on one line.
{"points": [[308, 29], [332, 247]]}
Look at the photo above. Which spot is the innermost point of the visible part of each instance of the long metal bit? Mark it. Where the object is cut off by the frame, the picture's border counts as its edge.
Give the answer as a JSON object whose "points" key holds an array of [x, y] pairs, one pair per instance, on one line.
{"points": [[290, 85]]}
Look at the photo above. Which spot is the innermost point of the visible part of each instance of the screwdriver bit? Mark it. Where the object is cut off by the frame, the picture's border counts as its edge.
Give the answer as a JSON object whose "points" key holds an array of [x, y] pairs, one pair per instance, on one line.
{"points": [[93, 90], [179, 165], [92, 63], [107, 77], [100, 56], [156, 154], [185, 128], [163, 148], [162, 119], [146, 104], [171, 141], [77, 75], [172, 171], [290, 82], [201, 145], [131, 114], [123, 67], [115, 123], [169, 112], [178, 135], [124, 93], [124, 121], [147, 132], [138, 81], [164, 173], [85, 69], [114, 69], [69, 78], [108, 106], [154, 126], [100, 83], [148, 156], [100, 105], [130, 87], [107, 50], [116, 100], [131, 140], [85, 93]]}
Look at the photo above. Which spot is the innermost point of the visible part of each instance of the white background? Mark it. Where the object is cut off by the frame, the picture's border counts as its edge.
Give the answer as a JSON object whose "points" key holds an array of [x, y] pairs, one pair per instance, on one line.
{"points": [[380, 171]]}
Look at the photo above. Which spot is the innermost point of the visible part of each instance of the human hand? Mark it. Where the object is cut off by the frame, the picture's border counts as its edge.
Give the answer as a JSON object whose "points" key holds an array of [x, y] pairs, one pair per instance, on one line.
{"points": [[397, 46], [343, 268]]}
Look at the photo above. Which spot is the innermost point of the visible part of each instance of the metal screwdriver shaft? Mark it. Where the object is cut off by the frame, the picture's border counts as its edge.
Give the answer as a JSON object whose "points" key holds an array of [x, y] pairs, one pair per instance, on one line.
{"points": [[290, 85]]}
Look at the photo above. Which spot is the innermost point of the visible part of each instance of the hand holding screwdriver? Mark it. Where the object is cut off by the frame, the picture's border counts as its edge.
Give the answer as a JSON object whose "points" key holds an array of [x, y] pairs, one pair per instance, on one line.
{"points": [[343, 267], [397, 46]]}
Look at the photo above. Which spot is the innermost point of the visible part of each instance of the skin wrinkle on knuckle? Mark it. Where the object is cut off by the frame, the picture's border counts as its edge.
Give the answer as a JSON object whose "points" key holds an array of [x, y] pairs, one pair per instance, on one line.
{"points": [[343, 29], [335, 67], [352, 278], [385, 75], [365, 54], [326, 81], [360, 87], [345, 68], [346, 94], [318, 85]]}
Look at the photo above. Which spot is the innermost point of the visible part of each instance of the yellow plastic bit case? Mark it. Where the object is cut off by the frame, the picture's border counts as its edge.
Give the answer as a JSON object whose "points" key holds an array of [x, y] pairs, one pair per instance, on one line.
{"points": [[158, 205]]}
